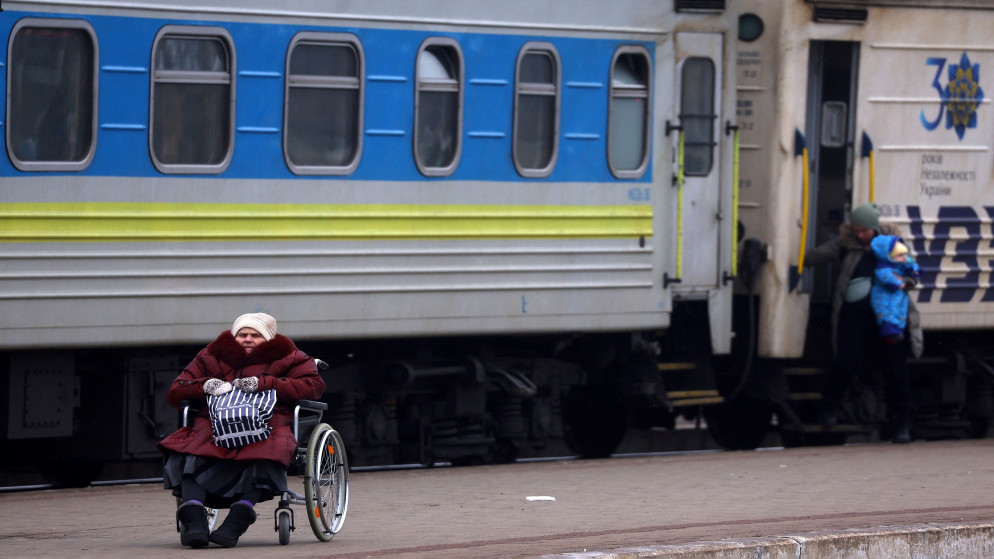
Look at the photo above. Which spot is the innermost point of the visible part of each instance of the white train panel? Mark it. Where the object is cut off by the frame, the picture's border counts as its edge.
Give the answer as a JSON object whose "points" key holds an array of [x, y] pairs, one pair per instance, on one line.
{"points": [[917, 99], [351, 290], [933, 132]]}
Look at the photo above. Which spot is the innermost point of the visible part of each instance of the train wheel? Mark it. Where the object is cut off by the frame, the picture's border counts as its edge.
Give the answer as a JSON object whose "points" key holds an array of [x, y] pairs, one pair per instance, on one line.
{"points": [[71, 473], [738, 425], [596, 419]]}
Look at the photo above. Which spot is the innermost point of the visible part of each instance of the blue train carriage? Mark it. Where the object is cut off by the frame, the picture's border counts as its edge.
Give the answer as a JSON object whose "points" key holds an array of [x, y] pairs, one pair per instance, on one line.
{"points": [[479, 213], [839, 105]]}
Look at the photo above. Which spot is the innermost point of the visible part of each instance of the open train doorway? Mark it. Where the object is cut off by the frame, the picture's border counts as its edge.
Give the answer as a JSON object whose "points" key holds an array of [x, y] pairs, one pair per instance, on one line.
{"points": [[833, 69]]}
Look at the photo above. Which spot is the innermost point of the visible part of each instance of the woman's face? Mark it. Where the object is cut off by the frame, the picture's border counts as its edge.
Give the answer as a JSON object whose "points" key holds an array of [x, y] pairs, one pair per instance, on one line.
{"points": [[249, 338], [863, 234]]}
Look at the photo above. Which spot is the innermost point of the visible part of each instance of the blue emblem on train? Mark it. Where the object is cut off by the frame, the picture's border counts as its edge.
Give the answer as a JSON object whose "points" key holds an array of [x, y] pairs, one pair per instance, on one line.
{"points": [[959, 98], [963, 95]]}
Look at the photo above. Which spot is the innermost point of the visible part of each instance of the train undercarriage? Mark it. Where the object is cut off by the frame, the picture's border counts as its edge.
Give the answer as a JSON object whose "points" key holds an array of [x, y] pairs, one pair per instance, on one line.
{"points": [[459, 400], [951, 391], [485, 400]]}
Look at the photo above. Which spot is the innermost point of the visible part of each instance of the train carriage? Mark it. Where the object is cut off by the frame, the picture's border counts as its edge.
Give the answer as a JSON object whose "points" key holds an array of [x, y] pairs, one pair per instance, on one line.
{"points": [[842, 103], [479, 213], [503, 224]]}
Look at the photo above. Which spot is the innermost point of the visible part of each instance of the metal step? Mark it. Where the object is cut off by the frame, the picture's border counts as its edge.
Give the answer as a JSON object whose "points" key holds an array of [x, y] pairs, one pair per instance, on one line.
{"points": [[679, 398], [803, 371], [676, 366]]}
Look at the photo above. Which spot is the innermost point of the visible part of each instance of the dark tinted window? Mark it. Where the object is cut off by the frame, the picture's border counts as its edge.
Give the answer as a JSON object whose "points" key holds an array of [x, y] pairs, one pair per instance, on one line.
{"points": [[438, 101], [192, 101], [536, 111], [697, 115], [628, 121], [51, 112], [323, 105]]}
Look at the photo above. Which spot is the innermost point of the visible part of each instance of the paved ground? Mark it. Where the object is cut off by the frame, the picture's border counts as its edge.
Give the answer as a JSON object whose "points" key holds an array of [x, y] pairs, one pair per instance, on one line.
{"points": [[599, 505]]}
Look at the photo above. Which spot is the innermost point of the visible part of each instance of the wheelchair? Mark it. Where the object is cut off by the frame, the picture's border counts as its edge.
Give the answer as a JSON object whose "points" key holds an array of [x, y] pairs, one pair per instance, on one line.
{"points": [[324, 467]]}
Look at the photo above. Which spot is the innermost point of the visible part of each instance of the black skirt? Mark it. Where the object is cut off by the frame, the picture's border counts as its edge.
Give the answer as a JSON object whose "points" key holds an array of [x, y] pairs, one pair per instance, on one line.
{"points": [[224, 480]]}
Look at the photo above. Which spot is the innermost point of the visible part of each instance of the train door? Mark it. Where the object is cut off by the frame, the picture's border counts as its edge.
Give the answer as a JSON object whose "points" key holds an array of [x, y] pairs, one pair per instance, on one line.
{"points": [[699, 71], [832, 77]]}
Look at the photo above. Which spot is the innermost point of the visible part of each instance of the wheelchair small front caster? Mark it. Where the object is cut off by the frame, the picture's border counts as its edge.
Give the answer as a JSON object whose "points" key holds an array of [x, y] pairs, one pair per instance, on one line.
{"points": [[284, 524]]}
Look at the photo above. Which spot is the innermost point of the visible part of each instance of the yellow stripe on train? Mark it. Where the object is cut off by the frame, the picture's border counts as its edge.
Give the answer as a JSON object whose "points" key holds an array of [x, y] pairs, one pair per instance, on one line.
{"points": [[138, 221]]}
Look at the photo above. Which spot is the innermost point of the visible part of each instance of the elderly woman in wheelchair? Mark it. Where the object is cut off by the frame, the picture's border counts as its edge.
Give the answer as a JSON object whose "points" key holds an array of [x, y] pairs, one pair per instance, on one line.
{"points": [[250, 359]]}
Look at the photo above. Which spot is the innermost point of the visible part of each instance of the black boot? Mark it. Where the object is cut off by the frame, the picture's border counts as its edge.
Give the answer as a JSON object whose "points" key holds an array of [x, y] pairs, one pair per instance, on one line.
{"points": [[900, 423], [193, 527], [240, 517], [902, 435]]}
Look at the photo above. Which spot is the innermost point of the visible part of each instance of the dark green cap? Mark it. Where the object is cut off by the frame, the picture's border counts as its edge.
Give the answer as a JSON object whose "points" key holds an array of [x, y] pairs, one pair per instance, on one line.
{"points": [[866, 216]]}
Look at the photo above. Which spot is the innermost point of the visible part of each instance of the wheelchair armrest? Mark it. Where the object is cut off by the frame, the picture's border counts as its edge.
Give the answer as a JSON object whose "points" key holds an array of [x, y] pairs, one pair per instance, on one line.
{"points": [[311, 405], [186, 409], [316, 408]]}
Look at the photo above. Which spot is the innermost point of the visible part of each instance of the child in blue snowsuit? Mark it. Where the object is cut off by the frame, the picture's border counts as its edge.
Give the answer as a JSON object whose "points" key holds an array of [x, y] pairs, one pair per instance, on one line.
{"points": [[888, 298]]}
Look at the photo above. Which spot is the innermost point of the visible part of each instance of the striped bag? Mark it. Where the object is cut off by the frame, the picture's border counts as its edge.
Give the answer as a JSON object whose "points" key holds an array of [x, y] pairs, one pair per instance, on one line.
{"points": [[240, 418]]}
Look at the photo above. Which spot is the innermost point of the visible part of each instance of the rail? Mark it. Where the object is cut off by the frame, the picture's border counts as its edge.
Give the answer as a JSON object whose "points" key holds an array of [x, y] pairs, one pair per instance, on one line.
{"points": [[866, 150], [801, 149], [678, 180], [735, 197]]}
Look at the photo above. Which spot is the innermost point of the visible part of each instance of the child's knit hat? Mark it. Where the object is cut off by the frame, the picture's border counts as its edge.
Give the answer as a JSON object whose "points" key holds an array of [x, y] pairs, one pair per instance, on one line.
{"points": [[898, 249]]}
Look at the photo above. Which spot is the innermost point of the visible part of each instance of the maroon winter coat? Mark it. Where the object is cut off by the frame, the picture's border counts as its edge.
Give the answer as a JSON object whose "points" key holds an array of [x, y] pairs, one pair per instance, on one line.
{"points": [[279, 365]]}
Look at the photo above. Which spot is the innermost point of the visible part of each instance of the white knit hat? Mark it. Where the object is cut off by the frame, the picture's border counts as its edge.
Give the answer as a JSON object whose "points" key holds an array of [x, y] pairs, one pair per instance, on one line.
{"points": [[258, 321]]}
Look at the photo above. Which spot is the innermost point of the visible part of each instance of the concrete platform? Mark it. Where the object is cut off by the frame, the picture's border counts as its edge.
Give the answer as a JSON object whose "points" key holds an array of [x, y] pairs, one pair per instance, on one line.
{"points": [[965, 541], [927, 499]]}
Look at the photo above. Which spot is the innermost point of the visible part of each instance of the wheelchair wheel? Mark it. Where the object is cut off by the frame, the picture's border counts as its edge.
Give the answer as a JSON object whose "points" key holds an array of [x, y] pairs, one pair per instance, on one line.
{"points": [[283, 526], [326, 482]]}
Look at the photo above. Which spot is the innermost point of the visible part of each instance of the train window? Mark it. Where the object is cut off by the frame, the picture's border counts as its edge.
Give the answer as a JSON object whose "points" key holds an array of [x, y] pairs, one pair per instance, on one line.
{"points": [[628, 114], [51, 95], [536, 110], [697, 115], [438, 107], [193, 95], [323, 113], [833, 124]]}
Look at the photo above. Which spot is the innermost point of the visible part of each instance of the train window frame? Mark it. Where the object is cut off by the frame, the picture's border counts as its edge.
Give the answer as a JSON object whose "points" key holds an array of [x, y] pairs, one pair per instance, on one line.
{"points": [[532, 89], [13, 122], [195, 77], [690, 141], [638, 87], [426, 84], [328, 83]]}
